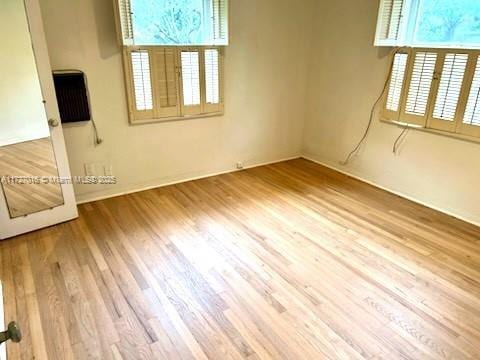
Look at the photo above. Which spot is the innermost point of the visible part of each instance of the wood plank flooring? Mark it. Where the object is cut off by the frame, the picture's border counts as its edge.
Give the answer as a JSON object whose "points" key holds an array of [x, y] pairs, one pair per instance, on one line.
{"points": [[30, 158], [287, 261]]}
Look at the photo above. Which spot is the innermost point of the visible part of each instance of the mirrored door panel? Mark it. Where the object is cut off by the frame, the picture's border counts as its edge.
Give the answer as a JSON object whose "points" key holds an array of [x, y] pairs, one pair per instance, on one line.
{"points": [[28, 169], [29, 177]]}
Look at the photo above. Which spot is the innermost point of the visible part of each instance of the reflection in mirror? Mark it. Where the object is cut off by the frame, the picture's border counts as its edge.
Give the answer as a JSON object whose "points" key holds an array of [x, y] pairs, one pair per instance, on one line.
{"points": [[26, 151], [24, 164]]}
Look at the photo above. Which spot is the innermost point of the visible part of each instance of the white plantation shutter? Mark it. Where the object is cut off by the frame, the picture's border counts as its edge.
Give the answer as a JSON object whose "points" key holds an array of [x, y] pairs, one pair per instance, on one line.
{"points": [[397, 80], [213, 100], [450, 87], [220, 22], [436, 89], [212, 76], [173, 82], [472, 112], [390, 22], [190, 64], [140, 61], [124, 21], [419, 88], [166, 85]]}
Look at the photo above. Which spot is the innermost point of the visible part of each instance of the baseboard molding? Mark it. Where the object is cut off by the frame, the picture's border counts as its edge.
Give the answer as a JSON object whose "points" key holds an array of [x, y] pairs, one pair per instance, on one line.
{"points": [[160, 184], [303, 156], [398, 193]]}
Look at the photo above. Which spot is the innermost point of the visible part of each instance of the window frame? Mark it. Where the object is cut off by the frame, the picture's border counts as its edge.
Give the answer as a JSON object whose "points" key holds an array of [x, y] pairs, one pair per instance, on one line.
{"points": [[124, 23], [456, 128], [407, 28], [180, 111]]}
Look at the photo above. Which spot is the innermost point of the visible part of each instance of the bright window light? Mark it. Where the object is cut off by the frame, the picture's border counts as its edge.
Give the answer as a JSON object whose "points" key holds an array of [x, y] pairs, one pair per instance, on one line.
{"points": [[178, 22], [429, 23], [448, 22]]}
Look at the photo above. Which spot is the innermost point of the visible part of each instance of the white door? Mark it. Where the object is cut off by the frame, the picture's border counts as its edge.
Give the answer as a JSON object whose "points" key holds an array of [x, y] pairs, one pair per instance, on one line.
{"points": [[27, 142]]}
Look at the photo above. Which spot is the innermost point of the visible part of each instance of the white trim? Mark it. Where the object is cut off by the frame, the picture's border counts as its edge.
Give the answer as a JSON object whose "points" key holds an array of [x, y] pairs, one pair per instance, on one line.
{"points": [[182, 180], [177, 118], [398, 193], [303, 156], [12, 227]]}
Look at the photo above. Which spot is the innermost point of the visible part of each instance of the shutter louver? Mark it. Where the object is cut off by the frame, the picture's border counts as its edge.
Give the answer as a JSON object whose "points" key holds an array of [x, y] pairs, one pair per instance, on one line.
{"points": [[212, 76], [220, 22], [421, 83], [390, 22], [472, 112], [450, 87], [190, 78], [125, 19], [142, 80], [437, 90], [396, 82]]}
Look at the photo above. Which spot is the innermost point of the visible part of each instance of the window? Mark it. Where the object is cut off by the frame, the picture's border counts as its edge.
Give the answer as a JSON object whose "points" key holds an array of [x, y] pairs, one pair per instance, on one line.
{"points": [[435, 89], [173, 57], [429, 23], [173, 22], [173, 82]]}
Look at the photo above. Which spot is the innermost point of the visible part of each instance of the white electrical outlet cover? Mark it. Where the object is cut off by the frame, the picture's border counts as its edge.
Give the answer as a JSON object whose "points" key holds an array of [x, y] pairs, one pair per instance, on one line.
{"points": [[90, 169]]}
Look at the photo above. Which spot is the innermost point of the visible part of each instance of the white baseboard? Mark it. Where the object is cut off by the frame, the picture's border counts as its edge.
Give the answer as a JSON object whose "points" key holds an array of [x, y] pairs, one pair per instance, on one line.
{"points": [[140, 188], [398, 193], [160, 184]]}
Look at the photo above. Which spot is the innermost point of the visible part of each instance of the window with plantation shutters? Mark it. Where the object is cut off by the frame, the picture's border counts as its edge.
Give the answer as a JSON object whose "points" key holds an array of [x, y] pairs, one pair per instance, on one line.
{"points": [[173, 57], [435, 89], [172, 83]]}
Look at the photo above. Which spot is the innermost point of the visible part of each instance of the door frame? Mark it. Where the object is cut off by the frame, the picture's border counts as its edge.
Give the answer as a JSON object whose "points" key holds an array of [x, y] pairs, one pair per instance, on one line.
{"points": [[11, 227]]}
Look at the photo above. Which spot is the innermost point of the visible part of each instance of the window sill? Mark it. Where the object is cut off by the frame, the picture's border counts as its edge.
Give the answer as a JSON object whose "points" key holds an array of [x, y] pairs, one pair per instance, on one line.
{"points": [[177, 118], [433, 131]]}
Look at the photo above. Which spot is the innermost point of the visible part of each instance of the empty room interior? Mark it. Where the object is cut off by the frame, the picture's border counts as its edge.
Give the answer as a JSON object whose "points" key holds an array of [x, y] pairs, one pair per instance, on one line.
{"points": [[240, 179]]}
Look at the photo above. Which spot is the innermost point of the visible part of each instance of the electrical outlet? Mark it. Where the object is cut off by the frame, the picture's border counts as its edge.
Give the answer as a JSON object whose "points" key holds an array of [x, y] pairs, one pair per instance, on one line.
{"points": [[108, 170], [90, 169], [239, 165]]}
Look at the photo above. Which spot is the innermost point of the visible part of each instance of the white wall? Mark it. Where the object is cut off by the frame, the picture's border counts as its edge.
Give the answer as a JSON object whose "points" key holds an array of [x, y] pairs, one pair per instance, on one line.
{"points": [[280, 52], [265, 89], [347, 75], [22, 115]]}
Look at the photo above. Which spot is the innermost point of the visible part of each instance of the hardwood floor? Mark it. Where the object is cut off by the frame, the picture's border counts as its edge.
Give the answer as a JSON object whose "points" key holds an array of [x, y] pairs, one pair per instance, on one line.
{"points": [[289, 261], [30, 158]]}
